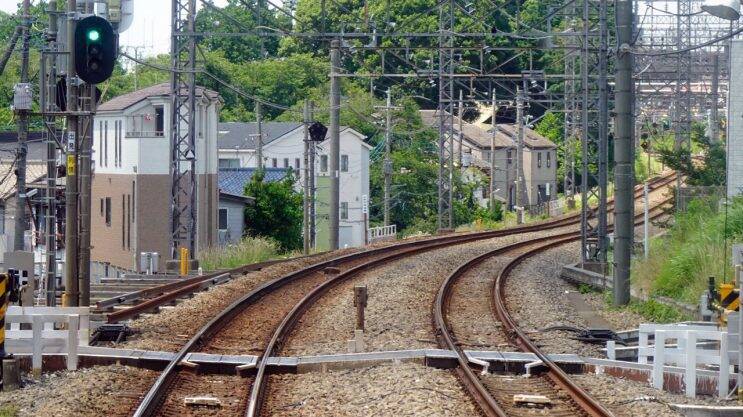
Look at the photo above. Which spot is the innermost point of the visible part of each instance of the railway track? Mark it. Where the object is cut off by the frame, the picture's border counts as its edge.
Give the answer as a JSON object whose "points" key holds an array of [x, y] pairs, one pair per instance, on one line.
{"points": [[494, 394], [225, 333], [132, 304]]}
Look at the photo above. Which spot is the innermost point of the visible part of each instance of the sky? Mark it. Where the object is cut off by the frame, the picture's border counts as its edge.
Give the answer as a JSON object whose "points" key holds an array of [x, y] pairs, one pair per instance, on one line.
{"points": [[150, 30]]}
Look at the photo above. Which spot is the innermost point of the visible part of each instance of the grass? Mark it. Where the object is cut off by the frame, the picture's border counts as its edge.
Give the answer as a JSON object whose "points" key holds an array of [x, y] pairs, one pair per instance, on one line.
{"points": [[693, 250], [248, 250], [651, 310], [8, 411]]}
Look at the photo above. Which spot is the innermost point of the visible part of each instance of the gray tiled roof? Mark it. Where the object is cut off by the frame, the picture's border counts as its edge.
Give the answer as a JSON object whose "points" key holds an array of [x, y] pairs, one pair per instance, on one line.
{"points": [[158, 90], [504, 138], [233, 180], [239, 135]]}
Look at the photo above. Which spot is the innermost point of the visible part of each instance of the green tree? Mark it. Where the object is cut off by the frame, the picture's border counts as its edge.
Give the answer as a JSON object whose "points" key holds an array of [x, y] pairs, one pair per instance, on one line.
{"points": [[277, 211], [709, 171]]}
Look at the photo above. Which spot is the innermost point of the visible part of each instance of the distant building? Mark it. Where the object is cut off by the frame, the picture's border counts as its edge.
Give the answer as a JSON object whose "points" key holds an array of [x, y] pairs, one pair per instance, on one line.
{"points": [[540, 159], [283, 148], [132, 182]]}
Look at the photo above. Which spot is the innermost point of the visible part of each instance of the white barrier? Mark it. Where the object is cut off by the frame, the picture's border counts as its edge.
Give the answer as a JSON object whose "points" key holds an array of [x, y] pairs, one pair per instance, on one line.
{"points": [[43, 337], [645, 350], [688, 355], [382, 232]]}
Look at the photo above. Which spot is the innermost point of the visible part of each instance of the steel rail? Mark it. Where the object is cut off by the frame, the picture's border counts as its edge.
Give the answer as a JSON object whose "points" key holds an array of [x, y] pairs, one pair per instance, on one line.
{"points": [[472, 383], [158, 390]]}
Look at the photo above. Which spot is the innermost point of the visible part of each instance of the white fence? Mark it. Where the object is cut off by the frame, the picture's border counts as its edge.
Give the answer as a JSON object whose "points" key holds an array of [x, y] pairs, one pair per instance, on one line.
{"points": [[382, 232], [43, 337], [696, 344]]}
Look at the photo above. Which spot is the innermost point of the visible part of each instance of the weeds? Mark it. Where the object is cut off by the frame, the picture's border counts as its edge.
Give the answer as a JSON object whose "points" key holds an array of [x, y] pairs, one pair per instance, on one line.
{"points": [[248, 250]]}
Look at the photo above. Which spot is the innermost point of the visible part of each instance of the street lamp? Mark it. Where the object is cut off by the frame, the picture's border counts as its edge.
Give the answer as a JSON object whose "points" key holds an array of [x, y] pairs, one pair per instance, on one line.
{"points": [[724, 9]]}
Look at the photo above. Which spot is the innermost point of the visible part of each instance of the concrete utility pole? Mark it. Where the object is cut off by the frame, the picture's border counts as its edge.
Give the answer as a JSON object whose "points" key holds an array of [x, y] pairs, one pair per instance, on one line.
{"points": [[259, 138], [519, 147], [714, 121], [312, 180], [22, 151], [306, 182], [335, 103], [492, 153], [387, 157], [623, 149], [47, 79], [461, 128], [70, 298], [86, 182]]}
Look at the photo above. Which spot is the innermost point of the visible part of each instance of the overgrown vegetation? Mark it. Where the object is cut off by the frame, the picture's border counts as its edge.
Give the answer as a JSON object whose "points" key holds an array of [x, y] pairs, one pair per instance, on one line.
{"points": [[651, 310], [693, 249], [276, 212], [247, 251]]}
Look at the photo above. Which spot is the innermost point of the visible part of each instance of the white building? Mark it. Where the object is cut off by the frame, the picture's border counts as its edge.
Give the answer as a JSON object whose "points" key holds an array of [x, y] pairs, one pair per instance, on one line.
{"points": [[283, 148], [735, 123]]}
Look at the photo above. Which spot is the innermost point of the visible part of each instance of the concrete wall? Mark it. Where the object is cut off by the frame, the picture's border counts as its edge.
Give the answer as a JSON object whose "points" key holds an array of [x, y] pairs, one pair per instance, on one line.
{"points": [[735, 122]]}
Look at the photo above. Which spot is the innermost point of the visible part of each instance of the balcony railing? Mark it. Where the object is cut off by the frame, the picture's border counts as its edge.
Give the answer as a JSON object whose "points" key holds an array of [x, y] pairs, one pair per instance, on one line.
{"points": [[144, 134]]}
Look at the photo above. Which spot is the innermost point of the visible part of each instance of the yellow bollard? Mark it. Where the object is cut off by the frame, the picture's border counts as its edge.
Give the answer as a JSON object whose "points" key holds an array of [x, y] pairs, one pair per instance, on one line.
{"points": [[184, 261]]}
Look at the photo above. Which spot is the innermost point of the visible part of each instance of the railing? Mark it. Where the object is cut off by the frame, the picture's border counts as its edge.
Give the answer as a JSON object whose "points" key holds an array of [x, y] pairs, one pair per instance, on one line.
{"points": [[382, 232], [43, 337], [548, 208], [144, 134]]}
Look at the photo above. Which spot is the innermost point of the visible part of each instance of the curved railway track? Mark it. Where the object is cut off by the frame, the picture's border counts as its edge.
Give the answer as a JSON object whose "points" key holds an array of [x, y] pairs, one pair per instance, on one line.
{"points": [[489, 395], [341, 268]]}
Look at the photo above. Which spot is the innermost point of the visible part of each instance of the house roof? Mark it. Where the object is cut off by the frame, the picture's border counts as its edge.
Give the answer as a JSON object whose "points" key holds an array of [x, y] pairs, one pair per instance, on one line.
{"points": [[36, 147], [238, 198], [34, 172], [505, 137], [125, 101], [233, 180], [239, 135]]}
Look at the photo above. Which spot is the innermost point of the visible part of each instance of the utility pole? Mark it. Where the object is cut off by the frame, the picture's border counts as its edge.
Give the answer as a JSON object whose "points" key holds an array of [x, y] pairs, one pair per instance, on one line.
{"points": [[624, 169], [461, 128], [519, 147], [335, 102], [306, 199], [70, 298], [313, 151], [387, 160], [492, 154], [48, 88], [714, 122], [259, 138], [86, 151], [23, 115]]}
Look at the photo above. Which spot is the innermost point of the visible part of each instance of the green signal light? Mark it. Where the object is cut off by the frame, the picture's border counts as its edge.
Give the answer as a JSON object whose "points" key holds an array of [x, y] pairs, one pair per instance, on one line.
{"points": [[94, 35]]}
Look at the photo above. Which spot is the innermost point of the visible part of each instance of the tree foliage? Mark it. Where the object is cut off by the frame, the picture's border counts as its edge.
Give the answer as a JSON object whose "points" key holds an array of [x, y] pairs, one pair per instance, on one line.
{"points": [[277, 211], [709, 166]]}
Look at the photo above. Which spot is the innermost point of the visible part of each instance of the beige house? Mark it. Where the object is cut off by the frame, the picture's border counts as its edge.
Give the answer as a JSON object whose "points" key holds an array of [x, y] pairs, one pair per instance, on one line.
{"points": [[539, 159], [132, 183]]}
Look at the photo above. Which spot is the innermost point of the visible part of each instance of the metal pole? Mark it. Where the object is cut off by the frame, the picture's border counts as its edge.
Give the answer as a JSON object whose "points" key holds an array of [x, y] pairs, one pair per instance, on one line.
{"points": [[387, 160], [313, 151], [519, 147], [20, 208], [492, 154], [48, 81], [259, 143], [306, 182], [461, 127], [714, 123], [740, 337], [71, 295], [624, 168], [646, 221], [335, 102]]}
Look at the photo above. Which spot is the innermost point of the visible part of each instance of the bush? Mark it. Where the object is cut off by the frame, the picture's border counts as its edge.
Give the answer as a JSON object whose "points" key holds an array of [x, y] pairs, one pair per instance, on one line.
{"points": [[277, 211], [249, 250]]}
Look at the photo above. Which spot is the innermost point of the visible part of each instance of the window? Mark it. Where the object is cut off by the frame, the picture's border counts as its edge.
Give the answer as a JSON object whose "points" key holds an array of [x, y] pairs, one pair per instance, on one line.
{"points": [[486, 155], [223, 219], [100, 144], [105, 141], [296, 163], [134, 201], [549, 159], [344, 163], [129, 222], [121, 141], [274, 162], [123, 222], [286, 162], [323, 163], [103, 210], [344, 211], [159, 121], [108, 211], [539, 159], [229, 163], [509, 156]]}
